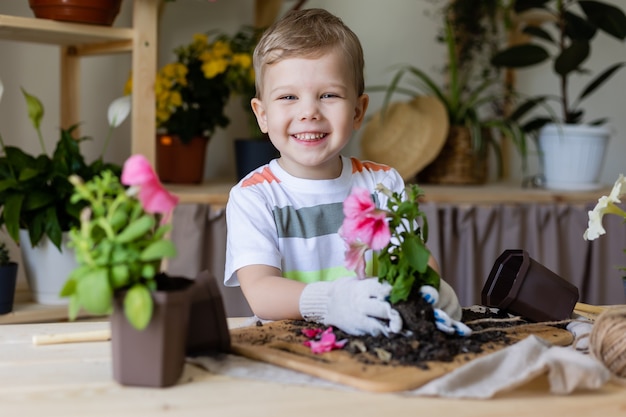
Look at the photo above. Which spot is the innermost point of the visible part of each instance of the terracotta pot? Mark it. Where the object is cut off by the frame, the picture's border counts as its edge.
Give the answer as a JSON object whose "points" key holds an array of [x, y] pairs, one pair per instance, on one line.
{"points": [[178, 162], [8, 278], [96, 12], [522, 286]]}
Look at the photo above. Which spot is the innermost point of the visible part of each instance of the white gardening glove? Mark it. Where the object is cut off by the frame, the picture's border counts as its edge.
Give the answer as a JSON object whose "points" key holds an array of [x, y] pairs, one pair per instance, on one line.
{"points": [[446, 308], [356, 306]]}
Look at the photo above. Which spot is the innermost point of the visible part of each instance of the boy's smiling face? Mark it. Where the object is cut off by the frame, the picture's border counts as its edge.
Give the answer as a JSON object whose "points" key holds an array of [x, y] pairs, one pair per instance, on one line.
{"points": [[310, 109]]}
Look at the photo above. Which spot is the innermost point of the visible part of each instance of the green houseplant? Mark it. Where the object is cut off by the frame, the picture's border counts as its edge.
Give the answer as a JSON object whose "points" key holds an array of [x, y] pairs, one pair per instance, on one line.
{"points": [[472, 93], [120, 245], [35, 198], [561, 31], [35, 190], [120, 241]]}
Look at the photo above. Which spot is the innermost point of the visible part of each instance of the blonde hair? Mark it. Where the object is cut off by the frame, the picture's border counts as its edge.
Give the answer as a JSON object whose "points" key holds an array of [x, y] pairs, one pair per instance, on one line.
{"points": [[308, 33]]}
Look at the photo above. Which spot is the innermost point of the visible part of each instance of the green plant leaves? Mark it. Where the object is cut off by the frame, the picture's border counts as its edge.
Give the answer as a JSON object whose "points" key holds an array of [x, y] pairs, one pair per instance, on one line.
{"points": [[136, 229], [94, 291], [520, 56], [158, 250], [138, 306], [35, 109]]}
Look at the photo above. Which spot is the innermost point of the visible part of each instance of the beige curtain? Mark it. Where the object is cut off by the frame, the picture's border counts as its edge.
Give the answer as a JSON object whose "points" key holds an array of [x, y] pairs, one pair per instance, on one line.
{"points": [[465, 239]]}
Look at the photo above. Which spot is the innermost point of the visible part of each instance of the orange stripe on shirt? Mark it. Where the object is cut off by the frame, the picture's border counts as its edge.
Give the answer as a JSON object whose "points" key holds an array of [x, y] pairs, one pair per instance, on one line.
{"points": [[259, 177], [360, 166]]}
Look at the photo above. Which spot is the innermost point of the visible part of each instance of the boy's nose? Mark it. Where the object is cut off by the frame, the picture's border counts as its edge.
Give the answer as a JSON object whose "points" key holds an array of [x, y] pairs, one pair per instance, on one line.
{"points": [[309, 110]]}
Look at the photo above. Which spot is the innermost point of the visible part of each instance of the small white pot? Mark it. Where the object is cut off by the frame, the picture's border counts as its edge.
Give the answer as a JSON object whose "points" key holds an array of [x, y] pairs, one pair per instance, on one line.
{"points": [[572, 156], [46, 268]]}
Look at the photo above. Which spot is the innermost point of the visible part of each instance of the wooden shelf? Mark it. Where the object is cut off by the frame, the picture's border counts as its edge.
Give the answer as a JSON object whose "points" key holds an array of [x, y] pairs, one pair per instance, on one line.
{"points": [[77, 40], [216, 193], [51, 32]]}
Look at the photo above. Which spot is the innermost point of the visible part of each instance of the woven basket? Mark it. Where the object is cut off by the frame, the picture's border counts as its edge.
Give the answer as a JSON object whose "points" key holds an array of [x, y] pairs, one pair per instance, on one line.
{"points": [[457, 163]]}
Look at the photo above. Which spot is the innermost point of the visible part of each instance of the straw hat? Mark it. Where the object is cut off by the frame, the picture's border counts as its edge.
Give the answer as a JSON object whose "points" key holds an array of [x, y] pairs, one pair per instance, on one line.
{"points": [[410, 136]]}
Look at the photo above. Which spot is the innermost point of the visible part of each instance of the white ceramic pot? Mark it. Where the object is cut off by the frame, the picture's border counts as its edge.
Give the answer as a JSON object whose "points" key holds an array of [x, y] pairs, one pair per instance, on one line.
{"points": [[46, 268], [572, 156]]}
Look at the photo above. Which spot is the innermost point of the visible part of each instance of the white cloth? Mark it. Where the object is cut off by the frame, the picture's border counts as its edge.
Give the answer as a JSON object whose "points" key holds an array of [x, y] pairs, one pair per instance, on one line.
{"points": [[508, 368]]}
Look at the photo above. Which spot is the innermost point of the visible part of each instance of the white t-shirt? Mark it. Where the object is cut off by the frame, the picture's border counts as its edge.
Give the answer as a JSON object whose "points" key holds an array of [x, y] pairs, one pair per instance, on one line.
{"points": [[292, 224]]}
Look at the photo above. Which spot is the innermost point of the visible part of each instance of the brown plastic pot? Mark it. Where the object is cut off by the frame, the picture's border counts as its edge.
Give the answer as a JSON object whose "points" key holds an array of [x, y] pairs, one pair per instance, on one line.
{"points": [[188, 320], [522, 286], [154, 356], [96, 12], [208, 329]]}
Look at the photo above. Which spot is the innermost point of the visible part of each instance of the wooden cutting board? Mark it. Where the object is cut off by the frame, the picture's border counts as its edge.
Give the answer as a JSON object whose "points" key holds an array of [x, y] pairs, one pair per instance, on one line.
{"points": [[276, 343]]}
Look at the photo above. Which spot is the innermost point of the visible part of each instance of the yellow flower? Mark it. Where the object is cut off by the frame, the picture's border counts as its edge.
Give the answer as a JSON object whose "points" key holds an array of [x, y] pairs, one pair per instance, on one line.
{"points": [[221, 49], [242, 60], [214, 67]]}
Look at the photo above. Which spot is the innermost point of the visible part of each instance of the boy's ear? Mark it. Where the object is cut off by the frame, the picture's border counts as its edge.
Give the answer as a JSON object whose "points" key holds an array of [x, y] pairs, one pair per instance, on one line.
{"points": [[359, 111], [259, 112]]}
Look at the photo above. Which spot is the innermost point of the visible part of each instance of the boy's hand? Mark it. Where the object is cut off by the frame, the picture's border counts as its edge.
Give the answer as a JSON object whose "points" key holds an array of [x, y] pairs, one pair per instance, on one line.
{"points": [[446, 308], [356, 306]]}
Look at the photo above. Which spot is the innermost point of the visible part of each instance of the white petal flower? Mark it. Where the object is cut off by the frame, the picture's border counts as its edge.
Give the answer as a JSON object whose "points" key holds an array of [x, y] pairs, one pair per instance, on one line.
{"points": [[594, 226], [619, 189], [119, 110], [1, 89]]}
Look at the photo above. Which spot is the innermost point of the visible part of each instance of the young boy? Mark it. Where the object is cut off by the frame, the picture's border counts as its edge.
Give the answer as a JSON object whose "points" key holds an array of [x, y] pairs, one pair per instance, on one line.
{"points": [[283, 245]]}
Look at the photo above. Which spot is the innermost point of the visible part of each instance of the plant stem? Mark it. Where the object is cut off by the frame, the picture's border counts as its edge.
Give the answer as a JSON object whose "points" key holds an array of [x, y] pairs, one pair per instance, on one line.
{"points": [[561, 22]]}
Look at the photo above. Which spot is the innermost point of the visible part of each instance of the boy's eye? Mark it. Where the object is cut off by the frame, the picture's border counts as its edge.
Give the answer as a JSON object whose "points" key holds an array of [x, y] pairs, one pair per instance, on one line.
{"points": [[329, 95], [287, 97]]}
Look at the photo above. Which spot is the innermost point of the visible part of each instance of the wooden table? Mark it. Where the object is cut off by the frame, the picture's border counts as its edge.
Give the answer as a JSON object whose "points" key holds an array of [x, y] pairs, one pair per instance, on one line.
{"points": [[76, 380]]}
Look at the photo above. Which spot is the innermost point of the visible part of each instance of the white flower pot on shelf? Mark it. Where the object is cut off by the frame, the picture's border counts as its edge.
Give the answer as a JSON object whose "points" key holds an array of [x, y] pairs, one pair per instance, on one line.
{"points": [[572, 156], [46, 268]]}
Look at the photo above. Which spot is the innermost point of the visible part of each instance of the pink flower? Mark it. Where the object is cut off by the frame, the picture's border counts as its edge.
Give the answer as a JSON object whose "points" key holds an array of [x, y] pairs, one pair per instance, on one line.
{"points": [[355, 258], [363, 221], [154, 198], [358, 203], [371, 229], [326, 342]]}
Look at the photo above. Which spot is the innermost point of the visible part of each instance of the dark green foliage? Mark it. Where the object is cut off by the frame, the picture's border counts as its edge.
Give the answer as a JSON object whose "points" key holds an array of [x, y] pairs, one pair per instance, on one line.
{"points": [[35, 191], [576, 24]]}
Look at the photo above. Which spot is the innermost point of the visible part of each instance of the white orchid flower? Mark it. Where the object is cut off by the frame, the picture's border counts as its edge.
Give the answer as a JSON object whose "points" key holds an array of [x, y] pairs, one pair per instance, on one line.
{"points": [[119, 109], [605, 205]]}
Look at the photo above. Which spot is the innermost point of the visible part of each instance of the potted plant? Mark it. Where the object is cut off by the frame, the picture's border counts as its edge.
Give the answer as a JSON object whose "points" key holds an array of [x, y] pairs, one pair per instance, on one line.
{"points": [[397, 233], [472, 96], [562, 31], [191, 94], [120, 244], [8, 278], [35, 198]]}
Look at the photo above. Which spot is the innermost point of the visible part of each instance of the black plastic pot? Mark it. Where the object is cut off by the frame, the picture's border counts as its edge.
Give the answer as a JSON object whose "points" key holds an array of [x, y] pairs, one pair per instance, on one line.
{"points": [[522, 286], [8, 279]]}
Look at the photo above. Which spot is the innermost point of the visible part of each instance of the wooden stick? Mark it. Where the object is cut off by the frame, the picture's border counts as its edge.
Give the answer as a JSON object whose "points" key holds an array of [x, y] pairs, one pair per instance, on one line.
{"points": [[588, 308], [91, 336]]}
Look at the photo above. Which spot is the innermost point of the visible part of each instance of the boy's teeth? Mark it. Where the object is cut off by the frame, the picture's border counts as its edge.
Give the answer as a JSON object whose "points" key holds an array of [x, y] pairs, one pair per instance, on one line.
{"points": [[309, 136]]}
